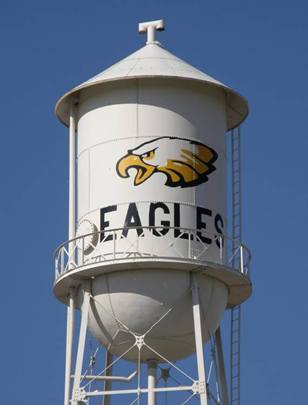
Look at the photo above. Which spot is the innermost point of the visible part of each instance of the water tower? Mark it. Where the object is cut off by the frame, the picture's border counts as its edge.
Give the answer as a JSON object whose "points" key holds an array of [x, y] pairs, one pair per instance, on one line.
{"points": [[149, 262]]}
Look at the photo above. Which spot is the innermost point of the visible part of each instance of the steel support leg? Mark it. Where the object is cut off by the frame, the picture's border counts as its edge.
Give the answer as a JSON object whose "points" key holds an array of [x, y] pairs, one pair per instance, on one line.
{"points": [[199, 342], [221, 368], [152, 367], [108, 383], [69, 346], [81, 342]]}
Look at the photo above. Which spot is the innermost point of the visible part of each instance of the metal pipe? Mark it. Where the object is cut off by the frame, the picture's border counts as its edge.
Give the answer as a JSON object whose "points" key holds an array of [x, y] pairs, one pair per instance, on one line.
{"points": [[92, 377], [221, 368], [152, 367], [97, 393], [72, 178], [108, 372], [82, 341], [69, 346], [150, 27], [71, 234], [198, 341], [151, 34]]}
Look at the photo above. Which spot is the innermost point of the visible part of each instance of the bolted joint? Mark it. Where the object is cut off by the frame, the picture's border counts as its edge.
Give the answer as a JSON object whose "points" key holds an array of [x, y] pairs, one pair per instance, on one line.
{"points": [[139, 341], [80, 396], [199, 387]]}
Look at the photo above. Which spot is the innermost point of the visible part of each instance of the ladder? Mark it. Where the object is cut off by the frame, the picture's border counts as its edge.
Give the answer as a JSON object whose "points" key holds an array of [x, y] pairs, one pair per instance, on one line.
{"points": [[235, 350]]}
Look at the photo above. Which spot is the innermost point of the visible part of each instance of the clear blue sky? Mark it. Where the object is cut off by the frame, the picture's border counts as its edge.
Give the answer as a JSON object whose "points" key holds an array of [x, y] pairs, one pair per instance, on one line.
{"points": [[258, 48]]}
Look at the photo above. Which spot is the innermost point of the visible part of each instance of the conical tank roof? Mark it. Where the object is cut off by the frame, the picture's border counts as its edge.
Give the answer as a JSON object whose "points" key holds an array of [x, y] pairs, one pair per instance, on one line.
{"points": [[154, 61]]}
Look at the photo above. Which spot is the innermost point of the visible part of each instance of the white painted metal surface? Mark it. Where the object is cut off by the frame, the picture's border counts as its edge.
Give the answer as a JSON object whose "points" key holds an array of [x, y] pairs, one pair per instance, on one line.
{"points": [[150, 28], [69, 346], [138, 299], [72, 172], [72, 255], [199, 339], [221, 368], [155, 61], [154, 117], [81, 342], [151, 255], [81, 392], [152, 369], [71, 249], [162, 163]]}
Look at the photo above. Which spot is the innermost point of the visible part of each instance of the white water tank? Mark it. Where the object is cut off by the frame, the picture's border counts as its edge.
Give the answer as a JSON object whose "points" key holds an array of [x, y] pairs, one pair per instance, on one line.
{"points": [[152, 185]]}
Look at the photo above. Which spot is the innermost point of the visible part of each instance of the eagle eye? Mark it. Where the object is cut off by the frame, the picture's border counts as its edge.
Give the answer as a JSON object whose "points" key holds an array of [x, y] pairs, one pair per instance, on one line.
{"points": [[148, 155]]}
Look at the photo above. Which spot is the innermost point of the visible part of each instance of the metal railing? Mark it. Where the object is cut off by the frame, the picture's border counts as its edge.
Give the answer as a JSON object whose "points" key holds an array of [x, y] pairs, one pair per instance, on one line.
{"points": [[150, 242]]}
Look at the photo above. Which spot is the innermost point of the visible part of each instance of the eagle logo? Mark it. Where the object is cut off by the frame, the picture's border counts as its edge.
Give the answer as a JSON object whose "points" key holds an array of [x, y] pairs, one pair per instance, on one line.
{"points": [[189, 166]]}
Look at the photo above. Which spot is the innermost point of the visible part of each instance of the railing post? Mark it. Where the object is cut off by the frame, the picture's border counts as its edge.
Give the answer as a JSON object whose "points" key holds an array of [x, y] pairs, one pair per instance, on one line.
{"points": [[82, 251], [151, 232], [137, 253], [189, 244], [56, 266], [241, 259], [114, 245], [62, 260], [221, 249]]}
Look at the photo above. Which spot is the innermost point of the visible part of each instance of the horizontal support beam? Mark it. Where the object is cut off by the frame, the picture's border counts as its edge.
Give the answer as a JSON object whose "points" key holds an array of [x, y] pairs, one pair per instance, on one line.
{"points": [[108, 377], [141, 391]]}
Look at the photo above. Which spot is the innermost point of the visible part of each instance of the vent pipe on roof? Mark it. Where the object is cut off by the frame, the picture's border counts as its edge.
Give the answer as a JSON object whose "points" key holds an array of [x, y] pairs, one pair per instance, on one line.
{"points": [[150, 27]]}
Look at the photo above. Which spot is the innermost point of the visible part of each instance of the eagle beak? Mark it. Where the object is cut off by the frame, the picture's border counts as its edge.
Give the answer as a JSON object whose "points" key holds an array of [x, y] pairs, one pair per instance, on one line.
{"points": [[131, 161]]}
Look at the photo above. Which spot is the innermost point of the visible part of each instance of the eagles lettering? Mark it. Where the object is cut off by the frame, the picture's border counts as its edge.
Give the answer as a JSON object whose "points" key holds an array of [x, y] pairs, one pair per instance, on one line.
{"points": [[185, 163]]}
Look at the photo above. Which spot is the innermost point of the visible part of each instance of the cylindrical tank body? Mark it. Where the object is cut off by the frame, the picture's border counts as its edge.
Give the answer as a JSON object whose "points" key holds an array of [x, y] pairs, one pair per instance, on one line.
{"points": [[151, 152], [152, 180]]}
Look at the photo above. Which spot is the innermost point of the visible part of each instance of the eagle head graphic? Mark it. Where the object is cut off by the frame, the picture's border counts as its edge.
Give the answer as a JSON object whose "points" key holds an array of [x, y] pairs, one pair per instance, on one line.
{"points": [[185, 163]]}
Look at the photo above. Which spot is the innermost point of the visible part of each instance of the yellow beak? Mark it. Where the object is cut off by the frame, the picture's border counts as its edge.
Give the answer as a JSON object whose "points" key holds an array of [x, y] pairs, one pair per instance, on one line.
{"points": [[131, 161]]}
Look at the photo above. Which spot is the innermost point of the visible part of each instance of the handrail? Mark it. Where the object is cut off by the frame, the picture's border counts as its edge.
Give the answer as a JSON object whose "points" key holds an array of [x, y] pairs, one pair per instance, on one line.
{"points": [[67, 262]]}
